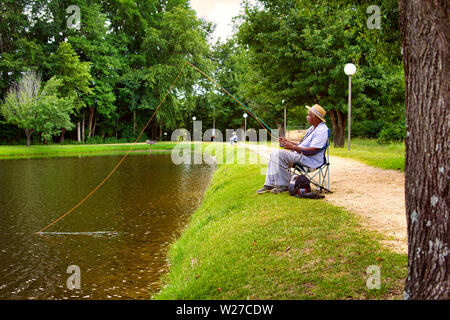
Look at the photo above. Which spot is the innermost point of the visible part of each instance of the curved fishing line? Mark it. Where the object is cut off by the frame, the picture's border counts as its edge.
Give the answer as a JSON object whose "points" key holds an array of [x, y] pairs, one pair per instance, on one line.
{"points": [[121, 160], [262, 123], [265, 126]]}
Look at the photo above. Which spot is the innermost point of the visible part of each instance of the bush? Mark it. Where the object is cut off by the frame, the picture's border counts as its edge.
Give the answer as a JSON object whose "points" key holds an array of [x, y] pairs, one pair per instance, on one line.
{"points": [[94, 140], [114, 140], [367, 128], [392, 133]]}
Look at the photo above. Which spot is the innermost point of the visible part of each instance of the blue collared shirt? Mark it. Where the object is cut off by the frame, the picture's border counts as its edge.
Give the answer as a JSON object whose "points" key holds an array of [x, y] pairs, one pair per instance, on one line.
{"points": [[314, 138]]}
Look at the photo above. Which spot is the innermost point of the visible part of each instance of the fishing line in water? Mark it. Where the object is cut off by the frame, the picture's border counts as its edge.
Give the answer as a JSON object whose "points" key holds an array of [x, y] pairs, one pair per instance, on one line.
{"points": [[261, 122], [121, 160]]}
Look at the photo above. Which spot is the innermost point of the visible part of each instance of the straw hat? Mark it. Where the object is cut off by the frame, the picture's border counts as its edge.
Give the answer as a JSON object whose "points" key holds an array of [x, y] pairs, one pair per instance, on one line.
{"points": [[318, 111]]}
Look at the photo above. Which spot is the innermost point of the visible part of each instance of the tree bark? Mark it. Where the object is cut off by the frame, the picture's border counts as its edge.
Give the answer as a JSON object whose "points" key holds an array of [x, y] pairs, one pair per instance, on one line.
{"points": [[425, 29], [90, 121], [61, 138], [338, 126], [28, 133], [93, 127], [154, 130], [83, 124], [117, 127], [134, 121], [78, 131]]}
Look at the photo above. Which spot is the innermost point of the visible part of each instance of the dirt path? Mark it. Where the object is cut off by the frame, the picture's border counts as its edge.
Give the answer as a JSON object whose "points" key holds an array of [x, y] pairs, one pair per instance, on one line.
{"points": [[374, 194]]}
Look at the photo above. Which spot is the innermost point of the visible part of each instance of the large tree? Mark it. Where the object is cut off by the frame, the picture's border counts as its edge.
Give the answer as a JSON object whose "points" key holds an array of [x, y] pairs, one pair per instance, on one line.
{"points": [[75, 77], [425, 29], [36, 110], [297, 50]]}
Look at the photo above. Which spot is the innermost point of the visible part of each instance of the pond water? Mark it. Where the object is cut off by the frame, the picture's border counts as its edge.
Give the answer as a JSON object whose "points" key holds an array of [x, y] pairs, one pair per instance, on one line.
{"points": [[118, 238]]}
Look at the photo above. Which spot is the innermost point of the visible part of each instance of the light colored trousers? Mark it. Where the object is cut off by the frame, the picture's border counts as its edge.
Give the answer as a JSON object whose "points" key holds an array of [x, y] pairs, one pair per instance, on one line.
{"points": [[276, 174]]}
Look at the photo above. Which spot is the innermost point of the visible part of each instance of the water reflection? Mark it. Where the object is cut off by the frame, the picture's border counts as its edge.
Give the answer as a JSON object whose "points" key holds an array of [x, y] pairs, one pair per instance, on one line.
{"points": [[118, 238]]}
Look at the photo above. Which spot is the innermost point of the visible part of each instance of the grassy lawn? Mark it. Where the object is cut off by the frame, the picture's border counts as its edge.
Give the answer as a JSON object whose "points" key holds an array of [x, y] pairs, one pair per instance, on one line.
{"points": [[21, 152], [390, 156], [240, 245]]}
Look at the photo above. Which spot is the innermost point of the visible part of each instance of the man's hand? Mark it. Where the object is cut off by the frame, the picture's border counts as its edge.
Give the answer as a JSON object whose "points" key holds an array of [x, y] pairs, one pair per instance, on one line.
{"points": [[286, 143], [289, 145]]}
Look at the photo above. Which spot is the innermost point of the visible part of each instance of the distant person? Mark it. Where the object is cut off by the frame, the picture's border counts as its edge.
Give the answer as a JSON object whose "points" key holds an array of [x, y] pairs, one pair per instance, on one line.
{"points": [[233, 138], [307, 152]]}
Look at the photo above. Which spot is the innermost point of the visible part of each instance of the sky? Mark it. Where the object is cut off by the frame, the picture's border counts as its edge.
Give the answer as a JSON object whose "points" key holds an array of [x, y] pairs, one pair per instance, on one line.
{"points": [[220, 12]]}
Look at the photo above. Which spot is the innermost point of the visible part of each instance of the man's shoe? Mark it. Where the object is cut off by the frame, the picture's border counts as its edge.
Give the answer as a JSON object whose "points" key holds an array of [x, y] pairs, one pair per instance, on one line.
{"points": [[264, 189], [279, 189]]}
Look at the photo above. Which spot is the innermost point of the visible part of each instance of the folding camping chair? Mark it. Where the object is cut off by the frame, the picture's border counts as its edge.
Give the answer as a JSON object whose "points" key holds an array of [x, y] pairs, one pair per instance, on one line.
{"points": [[320, 176]]}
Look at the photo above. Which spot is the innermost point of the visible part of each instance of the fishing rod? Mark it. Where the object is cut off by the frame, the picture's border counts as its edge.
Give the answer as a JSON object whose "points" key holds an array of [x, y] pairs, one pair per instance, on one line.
{"points": [[260, 121]]}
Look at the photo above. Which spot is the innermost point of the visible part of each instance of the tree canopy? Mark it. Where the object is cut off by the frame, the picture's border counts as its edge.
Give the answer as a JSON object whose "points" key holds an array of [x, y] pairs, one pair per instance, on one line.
{"points": [[118, 65]]}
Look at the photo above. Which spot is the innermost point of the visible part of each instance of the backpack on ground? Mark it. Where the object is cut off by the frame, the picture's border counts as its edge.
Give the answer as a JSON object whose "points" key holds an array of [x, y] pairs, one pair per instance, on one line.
{"points": [[300, 187]]}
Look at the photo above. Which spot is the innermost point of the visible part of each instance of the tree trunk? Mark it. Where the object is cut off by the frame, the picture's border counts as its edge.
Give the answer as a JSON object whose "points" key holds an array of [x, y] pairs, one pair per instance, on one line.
{"points": [[425, 29], [78, 131], [338, 126], [61, 138], [154, 130], [134, 121], [28, 133], [83, 124], [117, 127], [93, 127], [90, 121]]}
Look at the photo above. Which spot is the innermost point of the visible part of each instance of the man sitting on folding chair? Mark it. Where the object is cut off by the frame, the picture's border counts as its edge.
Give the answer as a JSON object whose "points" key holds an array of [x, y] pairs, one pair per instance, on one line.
{"points": [[309, 153]]}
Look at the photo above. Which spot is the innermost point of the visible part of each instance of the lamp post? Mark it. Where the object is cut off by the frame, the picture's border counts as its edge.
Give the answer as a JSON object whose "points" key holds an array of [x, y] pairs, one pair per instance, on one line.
{"points": [[349, 70], [245, 126], [193, 128], [214, 125], [284, 121]]}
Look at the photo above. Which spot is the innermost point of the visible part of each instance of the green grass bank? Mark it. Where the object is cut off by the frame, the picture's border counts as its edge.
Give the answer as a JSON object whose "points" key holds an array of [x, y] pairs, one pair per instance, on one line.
{"points": [[43, 151], [240, 245], [391, 156]]}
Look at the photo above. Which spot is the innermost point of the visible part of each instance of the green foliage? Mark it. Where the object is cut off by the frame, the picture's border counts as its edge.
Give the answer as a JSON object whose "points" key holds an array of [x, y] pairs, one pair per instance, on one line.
{"points": [[119, 65], [367, 128], [122, 59], [229, 72], [296, 51], [35, 110], [74, 74], [54, 111], [392, 133]]}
